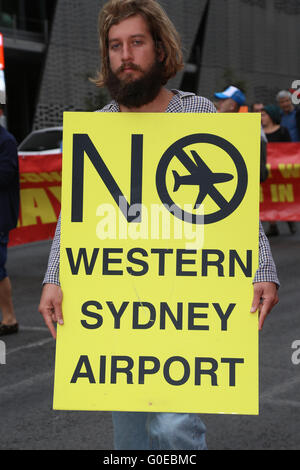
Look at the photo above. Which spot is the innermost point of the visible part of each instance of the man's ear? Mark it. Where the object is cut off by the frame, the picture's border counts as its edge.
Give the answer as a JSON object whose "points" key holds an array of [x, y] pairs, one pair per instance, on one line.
{"points": [[234, 107]]}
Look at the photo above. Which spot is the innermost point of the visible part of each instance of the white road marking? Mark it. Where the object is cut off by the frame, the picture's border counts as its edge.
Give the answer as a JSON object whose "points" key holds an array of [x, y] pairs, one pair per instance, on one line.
{"points": [[33, 328], [42, 342], [280, 402], [281, 388], [19, 386]]}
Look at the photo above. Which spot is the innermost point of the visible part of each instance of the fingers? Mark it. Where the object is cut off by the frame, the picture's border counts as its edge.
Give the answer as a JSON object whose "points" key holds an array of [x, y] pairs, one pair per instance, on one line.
{"points": [[264, 310], [48, 319], [57, 313], [256, 298], [51, 307], [264, 299]]}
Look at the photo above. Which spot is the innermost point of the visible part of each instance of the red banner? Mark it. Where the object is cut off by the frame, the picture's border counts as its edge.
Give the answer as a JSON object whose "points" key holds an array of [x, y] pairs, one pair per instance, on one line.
{"points": [[280, 193], [40, 192]]}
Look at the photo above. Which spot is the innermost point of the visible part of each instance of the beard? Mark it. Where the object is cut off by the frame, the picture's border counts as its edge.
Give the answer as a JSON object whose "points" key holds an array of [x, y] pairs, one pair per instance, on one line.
{"points": [[136, 93]]}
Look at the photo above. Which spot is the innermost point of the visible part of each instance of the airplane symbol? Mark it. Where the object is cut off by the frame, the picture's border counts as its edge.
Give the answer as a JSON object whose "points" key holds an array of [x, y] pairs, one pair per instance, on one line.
{"points": [[201, 176]]}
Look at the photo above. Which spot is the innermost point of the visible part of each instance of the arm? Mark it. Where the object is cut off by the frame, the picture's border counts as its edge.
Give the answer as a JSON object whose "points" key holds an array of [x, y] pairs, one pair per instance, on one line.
{"points": [[265, 282], [51, 299]]}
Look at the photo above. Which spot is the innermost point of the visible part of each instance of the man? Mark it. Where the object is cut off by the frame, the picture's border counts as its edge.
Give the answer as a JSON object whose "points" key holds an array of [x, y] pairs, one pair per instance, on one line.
{"points": [[290, 117], [230, 101], [9, 211], [140, 52], [257, 107]]}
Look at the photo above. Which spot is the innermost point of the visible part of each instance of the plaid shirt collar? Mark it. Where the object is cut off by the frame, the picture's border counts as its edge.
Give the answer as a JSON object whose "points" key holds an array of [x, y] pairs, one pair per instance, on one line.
{"points": [[175, 105]]}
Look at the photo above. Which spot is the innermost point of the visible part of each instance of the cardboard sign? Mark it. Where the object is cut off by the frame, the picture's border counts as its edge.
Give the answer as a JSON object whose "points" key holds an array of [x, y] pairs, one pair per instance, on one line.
{"points": [[159, 248]]}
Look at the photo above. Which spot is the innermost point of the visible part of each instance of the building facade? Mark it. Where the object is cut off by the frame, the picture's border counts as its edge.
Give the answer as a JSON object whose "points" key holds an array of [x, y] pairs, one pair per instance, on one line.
{"points": [[252, 43], [26, 27]]}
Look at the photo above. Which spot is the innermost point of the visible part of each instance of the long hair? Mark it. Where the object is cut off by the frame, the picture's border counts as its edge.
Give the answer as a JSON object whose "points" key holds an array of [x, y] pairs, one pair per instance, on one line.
{"points": [[162, 29]]}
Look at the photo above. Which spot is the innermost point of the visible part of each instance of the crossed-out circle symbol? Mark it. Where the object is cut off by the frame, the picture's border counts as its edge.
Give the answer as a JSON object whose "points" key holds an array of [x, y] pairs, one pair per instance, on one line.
{"points": [[176, 150]]}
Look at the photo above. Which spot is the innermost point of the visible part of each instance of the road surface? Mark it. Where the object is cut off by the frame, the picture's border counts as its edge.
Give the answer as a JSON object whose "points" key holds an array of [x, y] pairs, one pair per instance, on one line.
{"points": [[26, 380]]}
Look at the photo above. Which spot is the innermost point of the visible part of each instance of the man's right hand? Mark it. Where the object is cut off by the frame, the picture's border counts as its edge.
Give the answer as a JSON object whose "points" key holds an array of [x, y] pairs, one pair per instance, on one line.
{"points": [[51, 306]]}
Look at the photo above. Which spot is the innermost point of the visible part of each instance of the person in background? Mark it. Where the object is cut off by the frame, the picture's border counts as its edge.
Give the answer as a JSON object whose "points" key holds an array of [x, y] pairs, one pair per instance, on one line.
{"points": [[230, 101], [290, 114], [264, 173], [274, 132], [257, 107], [9, 211]]}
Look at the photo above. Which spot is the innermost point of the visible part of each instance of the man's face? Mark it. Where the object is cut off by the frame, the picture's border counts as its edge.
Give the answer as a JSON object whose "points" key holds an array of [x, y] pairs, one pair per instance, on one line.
{"points": [[286, 104], [131, 49], [227, 106], [258, 107], [265, 119], [136, 67]]}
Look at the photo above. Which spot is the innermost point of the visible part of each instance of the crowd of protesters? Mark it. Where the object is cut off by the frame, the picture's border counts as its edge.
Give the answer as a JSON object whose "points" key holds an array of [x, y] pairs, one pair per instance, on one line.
{"points": [[280, 123]]}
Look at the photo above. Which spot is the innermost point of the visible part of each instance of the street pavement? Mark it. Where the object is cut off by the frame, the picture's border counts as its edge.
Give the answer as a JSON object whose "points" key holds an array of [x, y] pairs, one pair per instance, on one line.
{"points": [[28, 422]]}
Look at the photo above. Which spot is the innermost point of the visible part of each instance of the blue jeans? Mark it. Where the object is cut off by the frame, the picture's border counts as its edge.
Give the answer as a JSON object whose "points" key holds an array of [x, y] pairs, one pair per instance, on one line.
{"points": [[158, 431]]}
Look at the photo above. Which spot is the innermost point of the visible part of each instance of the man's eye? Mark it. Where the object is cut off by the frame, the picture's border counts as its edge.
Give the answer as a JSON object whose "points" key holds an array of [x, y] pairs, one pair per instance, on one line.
{"points": [[114, 46], [137, 42]]}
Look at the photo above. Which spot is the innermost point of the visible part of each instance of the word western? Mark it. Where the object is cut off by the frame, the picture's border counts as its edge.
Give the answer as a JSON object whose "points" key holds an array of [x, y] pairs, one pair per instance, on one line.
{"points": [[162, 260], [176, 370], [145, 314]]}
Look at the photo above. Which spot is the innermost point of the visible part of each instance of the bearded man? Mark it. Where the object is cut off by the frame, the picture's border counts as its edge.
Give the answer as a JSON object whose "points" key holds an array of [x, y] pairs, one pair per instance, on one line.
{"points": [[140, 52]]}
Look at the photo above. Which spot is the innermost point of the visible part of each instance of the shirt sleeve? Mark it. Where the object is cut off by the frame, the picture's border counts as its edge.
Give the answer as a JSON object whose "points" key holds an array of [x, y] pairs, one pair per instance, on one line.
{"points": [[52, 273], [267, 270]]}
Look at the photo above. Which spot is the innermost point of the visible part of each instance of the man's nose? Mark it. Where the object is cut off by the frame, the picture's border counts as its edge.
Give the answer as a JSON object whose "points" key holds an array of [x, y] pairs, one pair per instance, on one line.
{"points": [[126, 52]]}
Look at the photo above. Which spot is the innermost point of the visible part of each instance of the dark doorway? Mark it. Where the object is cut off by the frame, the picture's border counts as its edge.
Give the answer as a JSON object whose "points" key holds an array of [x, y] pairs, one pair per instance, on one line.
{"points": [[22, 76]]}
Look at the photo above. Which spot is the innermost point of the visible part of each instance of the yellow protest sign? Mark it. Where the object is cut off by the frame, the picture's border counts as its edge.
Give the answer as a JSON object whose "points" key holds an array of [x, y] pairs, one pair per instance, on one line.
{"points": [[159, 248]]}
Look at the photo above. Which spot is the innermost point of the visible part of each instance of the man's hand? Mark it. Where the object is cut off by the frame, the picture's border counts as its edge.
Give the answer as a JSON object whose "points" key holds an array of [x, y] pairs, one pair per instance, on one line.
{"points": [[51, 306], [264, 298]]}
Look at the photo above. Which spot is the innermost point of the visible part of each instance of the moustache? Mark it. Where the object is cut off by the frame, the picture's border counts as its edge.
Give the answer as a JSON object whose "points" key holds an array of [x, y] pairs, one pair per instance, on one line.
{"points": [[129, 64]]}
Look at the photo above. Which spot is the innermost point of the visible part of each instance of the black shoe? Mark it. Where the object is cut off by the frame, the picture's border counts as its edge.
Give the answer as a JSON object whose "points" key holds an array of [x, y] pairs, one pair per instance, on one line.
{"points": [[8, 329], [292, 227]]}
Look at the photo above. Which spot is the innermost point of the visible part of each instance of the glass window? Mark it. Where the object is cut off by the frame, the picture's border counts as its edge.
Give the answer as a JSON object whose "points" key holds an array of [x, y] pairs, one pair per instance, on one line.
{"points": [[26, 15]]}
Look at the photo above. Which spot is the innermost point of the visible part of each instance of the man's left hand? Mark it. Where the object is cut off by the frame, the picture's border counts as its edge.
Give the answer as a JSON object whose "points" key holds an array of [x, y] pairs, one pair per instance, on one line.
{"points": [[264, 298]]}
